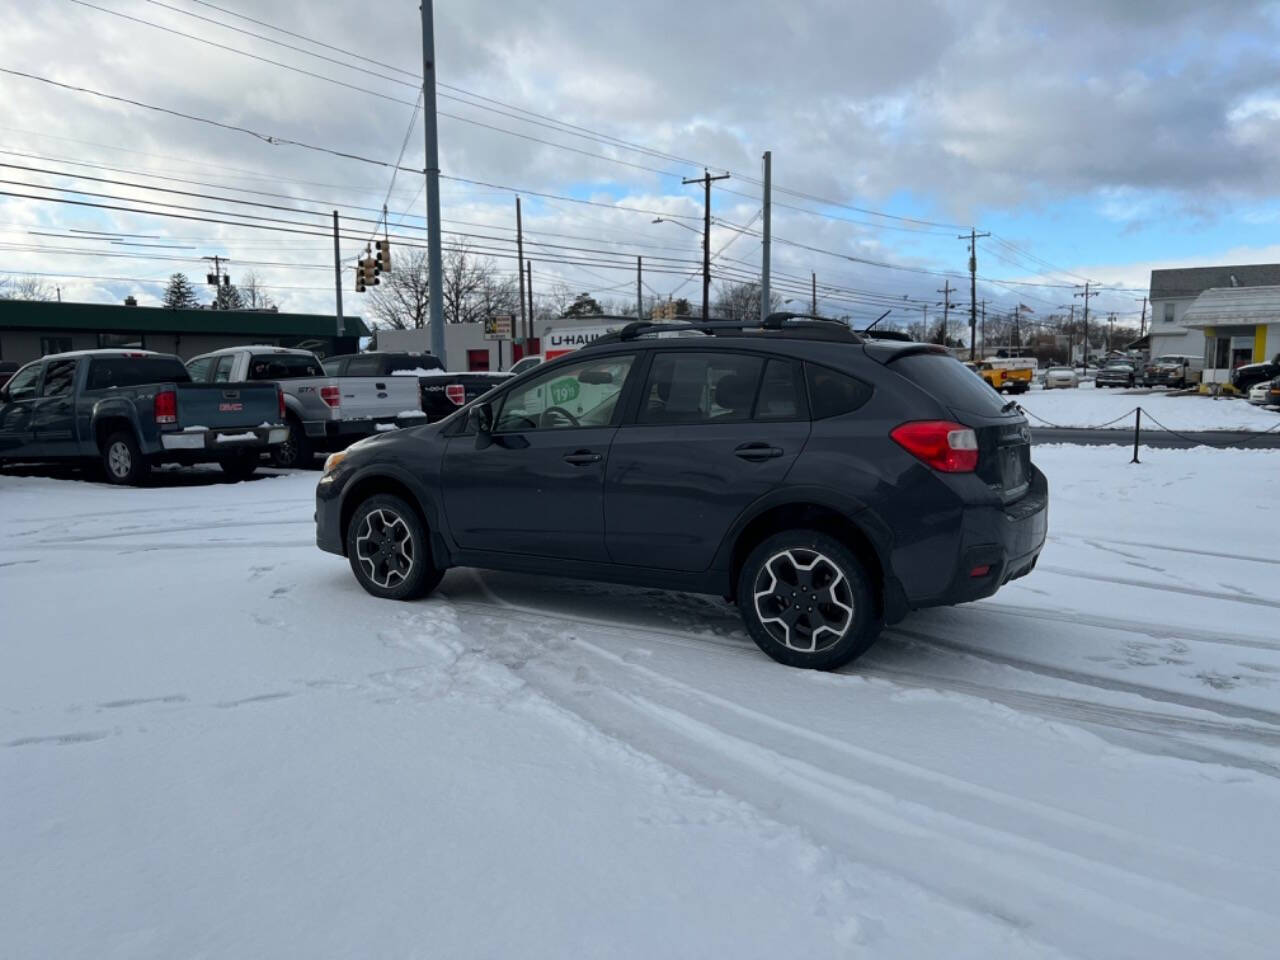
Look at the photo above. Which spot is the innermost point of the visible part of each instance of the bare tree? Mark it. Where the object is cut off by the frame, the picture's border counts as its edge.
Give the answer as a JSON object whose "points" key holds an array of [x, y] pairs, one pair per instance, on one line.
{"points": [[253, 294], [472, 291], [26, 288], [400, 299], [741, 301]]}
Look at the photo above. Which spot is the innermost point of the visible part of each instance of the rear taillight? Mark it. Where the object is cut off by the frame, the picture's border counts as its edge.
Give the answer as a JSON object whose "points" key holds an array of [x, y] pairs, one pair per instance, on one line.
{"points": [[167, 406], [456, 393], [332, 396], [942, 444], [280, 401]]}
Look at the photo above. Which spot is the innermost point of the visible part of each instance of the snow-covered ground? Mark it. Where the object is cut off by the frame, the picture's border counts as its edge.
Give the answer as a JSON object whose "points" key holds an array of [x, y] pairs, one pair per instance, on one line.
{"points": [[213, 743], [1112, 408]]}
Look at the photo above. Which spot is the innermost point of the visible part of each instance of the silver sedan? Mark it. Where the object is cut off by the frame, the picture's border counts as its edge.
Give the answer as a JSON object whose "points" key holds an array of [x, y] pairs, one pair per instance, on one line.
{"points": [[1056, 377]]}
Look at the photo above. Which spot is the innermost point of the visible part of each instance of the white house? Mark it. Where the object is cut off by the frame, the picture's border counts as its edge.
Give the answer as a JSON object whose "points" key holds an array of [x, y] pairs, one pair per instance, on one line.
{"points": [[1238, 325], [1173, 292]]}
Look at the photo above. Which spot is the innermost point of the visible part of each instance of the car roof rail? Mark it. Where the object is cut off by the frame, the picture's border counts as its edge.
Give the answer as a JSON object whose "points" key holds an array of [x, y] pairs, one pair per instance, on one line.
{"points": [[778, 322]]}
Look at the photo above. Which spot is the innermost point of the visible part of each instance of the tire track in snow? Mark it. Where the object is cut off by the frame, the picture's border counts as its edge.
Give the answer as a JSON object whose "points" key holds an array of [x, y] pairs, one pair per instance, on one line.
{"points": [[1171, 549], [1166, 587]]}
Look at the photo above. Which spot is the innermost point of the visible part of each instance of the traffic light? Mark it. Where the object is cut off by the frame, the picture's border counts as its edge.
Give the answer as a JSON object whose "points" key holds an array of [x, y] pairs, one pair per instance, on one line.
{"points": [[384, 255], [371, 271], [360, 277]]}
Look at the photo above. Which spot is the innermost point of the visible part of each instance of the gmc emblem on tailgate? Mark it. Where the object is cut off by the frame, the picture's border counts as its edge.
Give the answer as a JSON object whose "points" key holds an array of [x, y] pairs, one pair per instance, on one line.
{"points": [[230, 407]]}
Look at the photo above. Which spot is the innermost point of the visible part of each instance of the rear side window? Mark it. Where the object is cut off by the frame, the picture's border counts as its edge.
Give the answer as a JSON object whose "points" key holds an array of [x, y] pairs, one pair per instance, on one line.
{"points": [[283, 366], [832, 393], [199, 369], [949, 382], [108, 372], [700, 387], [58, 377]]}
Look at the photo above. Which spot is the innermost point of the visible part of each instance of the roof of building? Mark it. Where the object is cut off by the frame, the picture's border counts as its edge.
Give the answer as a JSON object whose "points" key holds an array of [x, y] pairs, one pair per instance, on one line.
{"points": [[1226, 306], [117, 318], [1192, 281]]}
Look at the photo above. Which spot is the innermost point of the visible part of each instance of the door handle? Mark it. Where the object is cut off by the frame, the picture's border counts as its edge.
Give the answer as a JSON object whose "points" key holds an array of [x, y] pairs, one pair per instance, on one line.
{"points": [[580, 458], [380, 386], [756, 452]]}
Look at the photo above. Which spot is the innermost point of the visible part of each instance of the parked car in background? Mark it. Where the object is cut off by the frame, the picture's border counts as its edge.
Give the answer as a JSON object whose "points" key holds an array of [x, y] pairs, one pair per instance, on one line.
{"points": [[1245, 377], [322, 412], [1173, 370], [525, 364], [1008, 375], [1116, 375], [134, 409], [7, 369], [826, 483], [1273, 393], [440, 392], [1056, 378], [1260, 394]]}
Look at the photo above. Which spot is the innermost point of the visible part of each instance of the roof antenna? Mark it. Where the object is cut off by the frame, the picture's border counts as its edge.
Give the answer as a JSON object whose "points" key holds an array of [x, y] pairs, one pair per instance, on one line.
{"points": [[878, 319]]}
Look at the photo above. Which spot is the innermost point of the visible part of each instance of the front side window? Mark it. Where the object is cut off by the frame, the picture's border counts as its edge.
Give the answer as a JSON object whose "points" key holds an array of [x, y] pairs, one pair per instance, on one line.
{"points": [[581, 394], [23, 384], [700, 387], [58, 378]]}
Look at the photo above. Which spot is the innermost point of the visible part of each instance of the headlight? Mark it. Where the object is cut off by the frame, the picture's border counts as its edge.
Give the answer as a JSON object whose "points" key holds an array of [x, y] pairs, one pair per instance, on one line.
{"points": [[331, 462]]}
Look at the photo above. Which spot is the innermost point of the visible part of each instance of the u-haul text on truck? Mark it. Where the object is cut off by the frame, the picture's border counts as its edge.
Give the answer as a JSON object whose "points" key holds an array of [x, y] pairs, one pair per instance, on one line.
{"points": [[567, 336]]}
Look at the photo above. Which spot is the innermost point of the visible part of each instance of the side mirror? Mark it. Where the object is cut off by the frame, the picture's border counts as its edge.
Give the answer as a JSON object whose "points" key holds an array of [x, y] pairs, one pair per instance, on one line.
{"points": [[4, 394]]}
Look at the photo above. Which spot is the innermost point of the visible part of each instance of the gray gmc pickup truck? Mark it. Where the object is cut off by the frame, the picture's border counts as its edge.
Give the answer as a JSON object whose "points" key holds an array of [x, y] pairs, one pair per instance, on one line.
{"points": [[132, 409]]}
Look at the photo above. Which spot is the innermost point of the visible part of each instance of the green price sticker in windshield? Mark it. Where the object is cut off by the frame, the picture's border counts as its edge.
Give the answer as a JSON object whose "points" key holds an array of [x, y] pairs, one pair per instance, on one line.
{"points": [[563, 391]]}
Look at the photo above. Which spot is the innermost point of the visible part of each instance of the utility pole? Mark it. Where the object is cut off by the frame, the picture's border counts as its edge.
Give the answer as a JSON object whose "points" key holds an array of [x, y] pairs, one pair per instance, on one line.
{"points": [[946, 309], [768, 228], [706, 180], [1086, 294], [435, 267], [973, 287], [337, 277], [524, 324], [984, 327], [639, 291], [813, 294], [528, 287], [1142, 324], [1111, 330]]}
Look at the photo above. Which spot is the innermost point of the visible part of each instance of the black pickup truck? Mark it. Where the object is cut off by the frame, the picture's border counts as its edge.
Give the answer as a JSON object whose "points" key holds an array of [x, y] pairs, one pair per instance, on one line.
{"points": [[441, 392], [131, 409]]}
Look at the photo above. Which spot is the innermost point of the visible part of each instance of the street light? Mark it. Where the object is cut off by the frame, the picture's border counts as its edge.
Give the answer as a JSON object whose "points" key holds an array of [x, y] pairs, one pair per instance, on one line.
{"points": [[678, 224]]}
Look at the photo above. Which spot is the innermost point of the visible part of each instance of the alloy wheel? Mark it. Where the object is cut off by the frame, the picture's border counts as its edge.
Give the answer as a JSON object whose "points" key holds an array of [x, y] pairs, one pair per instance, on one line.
{"points": [[119, 459], [803, 600], [384, 548]]}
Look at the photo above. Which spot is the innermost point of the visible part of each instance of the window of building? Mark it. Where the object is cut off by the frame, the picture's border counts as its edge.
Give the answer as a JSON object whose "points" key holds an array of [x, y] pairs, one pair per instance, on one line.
{"points": [[119, 341], [58, 377], [1168, 313], [698, 387], [50, 345]]}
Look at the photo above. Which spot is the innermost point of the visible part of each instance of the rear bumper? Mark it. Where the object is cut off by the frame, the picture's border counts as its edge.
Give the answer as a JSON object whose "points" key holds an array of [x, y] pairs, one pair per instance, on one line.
{"points": [[1006, 541], [208, 441], [338, 434]]}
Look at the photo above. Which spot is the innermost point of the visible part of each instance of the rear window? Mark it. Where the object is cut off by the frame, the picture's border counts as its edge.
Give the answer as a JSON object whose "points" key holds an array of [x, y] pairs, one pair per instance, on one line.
{"points": [[412, 362], [107, 372], [283, 366], [950, 382]]}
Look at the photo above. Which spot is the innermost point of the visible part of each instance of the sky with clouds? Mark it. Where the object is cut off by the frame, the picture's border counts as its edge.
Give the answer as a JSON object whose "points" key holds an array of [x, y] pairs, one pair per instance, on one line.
{"points": [[1094, 140]]}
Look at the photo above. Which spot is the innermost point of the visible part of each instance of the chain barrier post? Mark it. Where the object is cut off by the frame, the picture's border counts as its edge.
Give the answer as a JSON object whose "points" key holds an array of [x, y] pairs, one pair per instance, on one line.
{"points": [[1137, 431]]}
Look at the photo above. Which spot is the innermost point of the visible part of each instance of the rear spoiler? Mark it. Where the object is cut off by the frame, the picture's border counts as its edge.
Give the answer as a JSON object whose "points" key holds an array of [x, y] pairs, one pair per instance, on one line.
{"points": [[887, 351]]}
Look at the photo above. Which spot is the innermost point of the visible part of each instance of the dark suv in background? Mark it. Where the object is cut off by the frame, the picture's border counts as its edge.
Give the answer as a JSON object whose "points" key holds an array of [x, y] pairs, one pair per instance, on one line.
{"points": [[826, 483]]}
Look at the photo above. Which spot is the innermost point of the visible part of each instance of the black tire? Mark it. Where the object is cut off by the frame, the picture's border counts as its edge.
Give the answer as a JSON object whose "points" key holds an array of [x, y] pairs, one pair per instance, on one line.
{"points": [[122, 460], [296, 451], [388, 549], [787, 560], [240, 466]]}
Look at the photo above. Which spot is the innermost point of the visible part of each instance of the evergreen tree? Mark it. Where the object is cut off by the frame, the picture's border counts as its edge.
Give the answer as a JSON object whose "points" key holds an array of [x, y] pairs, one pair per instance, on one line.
{"points": [[584, 305], [228, 298], [180, 294]]}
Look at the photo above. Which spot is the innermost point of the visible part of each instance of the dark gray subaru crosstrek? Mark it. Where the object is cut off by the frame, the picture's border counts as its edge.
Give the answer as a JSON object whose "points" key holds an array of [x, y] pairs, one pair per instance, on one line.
{"points": [[826, 483]]}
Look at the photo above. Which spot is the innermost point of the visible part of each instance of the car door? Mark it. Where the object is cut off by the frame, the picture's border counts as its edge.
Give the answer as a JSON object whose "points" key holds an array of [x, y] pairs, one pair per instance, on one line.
{"points": [[54, 417], [713, 433], [535, 486], [21, 393]]}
